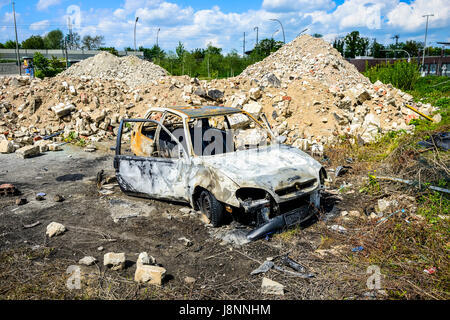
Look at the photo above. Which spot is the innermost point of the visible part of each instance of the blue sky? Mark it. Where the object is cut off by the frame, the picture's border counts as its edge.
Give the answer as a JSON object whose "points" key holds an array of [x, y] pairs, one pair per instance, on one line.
{"points": [[222, 23]]}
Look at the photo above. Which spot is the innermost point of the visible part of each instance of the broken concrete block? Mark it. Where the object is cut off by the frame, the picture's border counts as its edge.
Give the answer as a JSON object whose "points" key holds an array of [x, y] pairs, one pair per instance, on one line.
{"points": [[55, 229], [149, 274], [145, 259], [271, 287], [62, 110], [115, 261], [87, 261], [362, 95], [28, 151], [54, 147], [6, 146], [254, 108], [255, 93]]}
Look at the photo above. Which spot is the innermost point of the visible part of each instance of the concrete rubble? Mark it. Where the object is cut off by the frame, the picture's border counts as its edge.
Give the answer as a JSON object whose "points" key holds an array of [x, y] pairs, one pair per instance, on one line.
{"points": [[115, 261], [146, 270], [310, 94], [269, 286], [55, 229]]}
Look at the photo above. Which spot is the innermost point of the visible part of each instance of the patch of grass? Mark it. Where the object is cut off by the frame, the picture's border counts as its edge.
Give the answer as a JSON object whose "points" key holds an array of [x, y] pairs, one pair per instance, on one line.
{"points": [[400, 74]]}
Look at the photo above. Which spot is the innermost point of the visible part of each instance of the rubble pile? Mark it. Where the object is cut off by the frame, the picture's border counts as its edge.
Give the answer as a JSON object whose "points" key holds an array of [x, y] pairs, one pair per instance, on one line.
{"points": [[130, 69], [310, 95]]}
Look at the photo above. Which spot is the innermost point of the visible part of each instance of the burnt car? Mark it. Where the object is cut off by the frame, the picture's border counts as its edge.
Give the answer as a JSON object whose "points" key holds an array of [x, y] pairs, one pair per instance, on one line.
{"points": [[222, 161]]}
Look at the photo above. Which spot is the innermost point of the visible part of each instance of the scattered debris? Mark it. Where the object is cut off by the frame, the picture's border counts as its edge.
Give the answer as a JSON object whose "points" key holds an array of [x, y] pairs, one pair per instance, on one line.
{"points": [[292, 264], [341, 170], [338, 228], [40, 196], [414, 183], [186, 241], [357, 249], [269, 286], [21, 201], [266, 266], [189, 280], [115, 261], [440, 140], [55, 229], [28, 226], [87, 261], [8, 189], [430, 270], [58, 198]]}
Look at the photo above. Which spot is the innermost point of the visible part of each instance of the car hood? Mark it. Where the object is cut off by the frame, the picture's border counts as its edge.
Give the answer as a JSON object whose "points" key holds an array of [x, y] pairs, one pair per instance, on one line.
{"points": [[272, 168]]}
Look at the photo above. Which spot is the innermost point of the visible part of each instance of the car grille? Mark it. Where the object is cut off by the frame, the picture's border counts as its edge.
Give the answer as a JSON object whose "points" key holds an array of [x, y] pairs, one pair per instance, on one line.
{"points": [[298, 186]]}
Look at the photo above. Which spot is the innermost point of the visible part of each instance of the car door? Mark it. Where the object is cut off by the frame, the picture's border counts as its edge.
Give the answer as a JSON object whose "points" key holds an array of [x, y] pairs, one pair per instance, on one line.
{"points": [[152, 176]]}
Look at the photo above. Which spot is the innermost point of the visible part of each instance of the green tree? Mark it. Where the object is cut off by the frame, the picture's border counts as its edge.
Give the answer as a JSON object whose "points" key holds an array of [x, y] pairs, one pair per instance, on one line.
{"points": [[33, 42], [338, 44], [355, 45], [111, 50], [377, 50], [180, 50], [11, 44], [92, 43], [53, 39]]}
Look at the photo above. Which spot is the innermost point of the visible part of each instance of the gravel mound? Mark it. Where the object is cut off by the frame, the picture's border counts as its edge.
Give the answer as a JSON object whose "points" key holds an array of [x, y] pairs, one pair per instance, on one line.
{"points": [[308, 57], [130, 69]]}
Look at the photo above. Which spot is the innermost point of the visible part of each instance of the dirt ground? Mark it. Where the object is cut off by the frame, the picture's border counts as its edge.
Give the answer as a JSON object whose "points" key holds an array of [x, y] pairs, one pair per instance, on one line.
{"points": [[33, 266]]}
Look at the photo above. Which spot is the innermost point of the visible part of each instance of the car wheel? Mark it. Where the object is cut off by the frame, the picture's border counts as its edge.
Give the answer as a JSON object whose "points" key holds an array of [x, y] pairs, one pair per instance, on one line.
{"points": [[211, 208]]}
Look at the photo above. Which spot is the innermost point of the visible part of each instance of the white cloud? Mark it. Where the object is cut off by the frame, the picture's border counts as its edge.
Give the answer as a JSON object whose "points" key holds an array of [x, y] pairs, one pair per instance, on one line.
{"points": [[44, 4], [409, 16], [297, 5], [41, 25]]}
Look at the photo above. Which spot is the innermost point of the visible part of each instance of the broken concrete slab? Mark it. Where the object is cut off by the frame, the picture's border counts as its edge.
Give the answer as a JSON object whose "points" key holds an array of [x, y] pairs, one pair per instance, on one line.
{"points": [[269, 286], [28, 151], [149, 274], [6, 146], [87, 261]]}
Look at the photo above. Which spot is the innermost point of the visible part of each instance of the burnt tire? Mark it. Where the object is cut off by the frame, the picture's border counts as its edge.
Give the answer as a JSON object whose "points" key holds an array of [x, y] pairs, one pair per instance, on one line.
{"points": [[211, 208]]}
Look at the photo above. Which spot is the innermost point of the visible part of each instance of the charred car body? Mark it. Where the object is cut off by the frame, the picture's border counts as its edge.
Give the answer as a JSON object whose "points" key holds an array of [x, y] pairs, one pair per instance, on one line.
{"points": [[221, 161]]}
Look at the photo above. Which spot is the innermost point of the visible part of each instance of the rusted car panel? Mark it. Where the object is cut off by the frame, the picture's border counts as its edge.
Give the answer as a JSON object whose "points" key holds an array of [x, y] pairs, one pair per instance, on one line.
{"points": [[266, 181]]}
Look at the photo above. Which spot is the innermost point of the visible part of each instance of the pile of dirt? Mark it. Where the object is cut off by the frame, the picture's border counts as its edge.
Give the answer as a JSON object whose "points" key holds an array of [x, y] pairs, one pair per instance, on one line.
{"points": [[130, 69]]}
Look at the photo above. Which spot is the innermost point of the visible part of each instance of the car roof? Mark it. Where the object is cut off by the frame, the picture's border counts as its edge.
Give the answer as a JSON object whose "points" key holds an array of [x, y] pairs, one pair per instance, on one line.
{"points": [[203, 111]]}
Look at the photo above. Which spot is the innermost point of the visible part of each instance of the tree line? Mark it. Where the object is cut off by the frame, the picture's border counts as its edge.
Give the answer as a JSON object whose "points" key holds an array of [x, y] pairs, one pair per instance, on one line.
{"points": [[208, 62], [55, 40], [353, 44]]}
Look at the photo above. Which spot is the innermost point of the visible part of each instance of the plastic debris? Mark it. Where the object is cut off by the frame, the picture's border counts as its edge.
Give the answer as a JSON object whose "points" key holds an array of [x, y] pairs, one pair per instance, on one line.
{"points": [[338, 228], [266, 266], [341, 170], [293, 264], [357, 249], [430, 270]]}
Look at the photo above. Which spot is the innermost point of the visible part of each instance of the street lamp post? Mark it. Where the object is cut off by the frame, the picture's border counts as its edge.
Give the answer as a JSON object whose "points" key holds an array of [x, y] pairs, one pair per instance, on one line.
{"points": [[256, 28], [409, 56], [425, 44], [157, 35], [302, 31], [17, 42], [284, 38], [135, 23]]}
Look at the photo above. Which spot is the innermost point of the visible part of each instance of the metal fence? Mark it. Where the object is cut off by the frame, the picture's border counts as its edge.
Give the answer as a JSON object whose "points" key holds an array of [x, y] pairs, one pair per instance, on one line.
{"points": [[72, 54], [8, 69]]}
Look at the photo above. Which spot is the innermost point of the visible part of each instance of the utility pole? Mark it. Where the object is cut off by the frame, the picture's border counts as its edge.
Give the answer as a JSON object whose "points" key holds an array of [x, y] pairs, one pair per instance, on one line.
{"points": [[135, 23], [157, 35], [256, 28], [243, 47], [17, 41], [284, 38], [425, 44]]}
